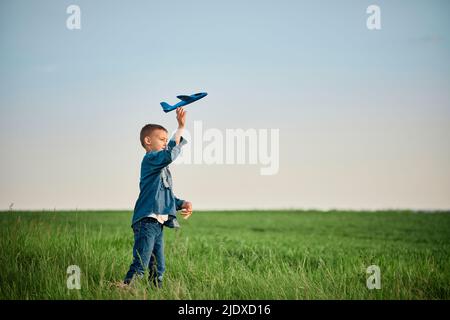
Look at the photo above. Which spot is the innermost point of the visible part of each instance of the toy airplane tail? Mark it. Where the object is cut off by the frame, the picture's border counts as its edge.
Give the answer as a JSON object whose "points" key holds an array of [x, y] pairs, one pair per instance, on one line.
{"points": [[166, 107]]}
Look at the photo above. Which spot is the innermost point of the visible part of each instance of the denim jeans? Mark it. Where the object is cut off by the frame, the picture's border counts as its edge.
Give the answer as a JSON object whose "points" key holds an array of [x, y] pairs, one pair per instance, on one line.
{"points": [[148, 250]]}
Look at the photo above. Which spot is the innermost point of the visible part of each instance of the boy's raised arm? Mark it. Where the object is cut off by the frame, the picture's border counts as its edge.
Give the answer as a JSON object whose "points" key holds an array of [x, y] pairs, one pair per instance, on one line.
{"points": [[163, 158], [181, 118]]}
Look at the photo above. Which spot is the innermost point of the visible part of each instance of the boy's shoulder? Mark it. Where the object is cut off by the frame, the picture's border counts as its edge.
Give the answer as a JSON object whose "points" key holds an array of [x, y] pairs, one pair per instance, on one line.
{"points": [[154, 158], [149, 156]]}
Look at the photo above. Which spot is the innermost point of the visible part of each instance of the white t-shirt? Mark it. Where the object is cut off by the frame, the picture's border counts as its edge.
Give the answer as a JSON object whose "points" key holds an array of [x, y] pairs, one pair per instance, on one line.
{"points": [[160, 217]]}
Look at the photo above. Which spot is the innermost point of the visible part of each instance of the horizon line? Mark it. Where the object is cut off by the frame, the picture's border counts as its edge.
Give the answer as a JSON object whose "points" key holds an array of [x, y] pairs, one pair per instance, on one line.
{"points": [[386, 209]]}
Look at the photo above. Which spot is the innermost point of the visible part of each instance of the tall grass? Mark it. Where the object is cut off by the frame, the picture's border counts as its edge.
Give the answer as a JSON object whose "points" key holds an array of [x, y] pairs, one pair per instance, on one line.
{"points": [[231, 255]]}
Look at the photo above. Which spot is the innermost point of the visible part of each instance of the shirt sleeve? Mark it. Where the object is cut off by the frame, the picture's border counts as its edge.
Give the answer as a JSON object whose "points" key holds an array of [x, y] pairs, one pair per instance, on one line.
{"points": [[163, 158], [178, 203]]}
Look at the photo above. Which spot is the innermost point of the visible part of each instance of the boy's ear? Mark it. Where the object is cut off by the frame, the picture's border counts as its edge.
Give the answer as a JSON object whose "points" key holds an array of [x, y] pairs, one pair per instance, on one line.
{"points": [[147, 140]]}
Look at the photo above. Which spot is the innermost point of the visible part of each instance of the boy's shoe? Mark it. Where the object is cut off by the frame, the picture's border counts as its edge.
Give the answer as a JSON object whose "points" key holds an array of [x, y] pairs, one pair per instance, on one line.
{"points": [[156, 281], [121, 284], [130, 281], [172, 223]]}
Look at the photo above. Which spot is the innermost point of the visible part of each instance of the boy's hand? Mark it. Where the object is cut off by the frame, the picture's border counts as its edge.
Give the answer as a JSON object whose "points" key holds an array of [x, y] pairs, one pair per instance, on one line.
{"points": [[181, 117], [186, 211]]}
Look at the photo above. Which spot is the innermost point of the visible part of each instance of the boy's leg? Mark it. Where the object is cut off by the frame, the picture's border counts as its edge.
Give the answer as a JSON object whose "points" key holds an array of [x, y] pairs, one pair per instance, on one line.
{"points": [[157, 264], [145, 232]]}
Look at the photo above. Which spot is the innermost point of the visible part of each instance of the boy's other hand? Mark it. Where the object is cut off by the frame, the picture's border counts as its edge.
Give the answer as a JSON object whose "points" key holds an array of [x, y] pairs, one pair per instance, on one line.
{"points": [[186, 209], [181, 117]]}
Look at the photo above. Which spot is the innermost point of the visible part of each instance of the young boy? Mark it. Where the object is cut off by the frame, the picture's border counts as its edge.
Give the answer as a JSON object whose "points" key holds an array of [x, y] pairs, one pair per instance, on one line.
{"points": [[156, 205]]}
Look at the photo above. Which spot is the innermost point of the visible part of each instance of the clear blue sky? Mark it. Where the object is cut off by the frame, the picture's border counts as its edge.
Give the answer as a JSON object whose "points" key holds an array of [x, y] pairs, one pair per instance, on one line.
{"points": [[364, 116]]}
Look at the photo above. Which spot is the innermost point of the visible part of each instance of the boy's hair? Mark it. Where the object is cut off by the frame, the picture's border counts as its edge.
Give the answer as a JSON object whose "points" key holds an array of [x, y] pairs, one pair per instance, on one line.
{"points": [[148, 129]]}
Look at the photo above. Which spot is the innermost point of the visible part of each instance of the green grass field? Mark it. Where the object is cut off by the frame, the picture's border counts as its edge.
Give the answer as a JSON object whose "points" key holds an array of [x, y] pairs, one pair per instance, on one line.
{"points": [[231, 255]]}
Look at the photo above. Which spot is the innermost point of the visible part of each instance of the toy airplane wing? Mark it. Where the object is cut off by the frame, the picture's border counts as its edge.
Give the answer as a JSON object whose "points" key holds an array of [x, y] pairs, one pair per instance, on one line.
{"points": [[184, 98]]}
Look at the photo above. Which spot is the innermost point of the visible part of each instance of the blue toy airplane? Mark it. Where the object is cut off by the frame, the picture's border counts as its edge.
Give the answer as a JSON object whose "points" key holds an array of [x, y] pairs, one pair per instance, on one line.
{"points": [[185, 100]]}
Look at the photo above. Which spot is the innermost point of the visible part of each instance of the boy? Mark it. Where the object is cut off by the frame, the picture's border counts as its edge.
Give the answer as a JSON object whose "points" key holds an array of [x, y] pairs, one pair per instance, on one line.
{"points": [[156, 205]]}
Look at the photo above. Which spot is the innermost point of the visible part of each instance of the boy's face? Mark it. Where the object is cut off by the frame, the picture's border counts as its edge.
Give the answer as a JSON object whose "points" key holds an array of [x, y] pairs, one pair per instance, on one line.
{"points": [[157, 141]]}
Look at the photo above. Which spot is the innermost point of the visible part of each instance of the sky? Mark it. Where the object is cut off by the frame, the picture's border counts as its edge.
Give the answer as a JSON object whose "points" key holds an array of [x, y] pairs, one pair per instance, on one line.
{"points": [[363, 115]]}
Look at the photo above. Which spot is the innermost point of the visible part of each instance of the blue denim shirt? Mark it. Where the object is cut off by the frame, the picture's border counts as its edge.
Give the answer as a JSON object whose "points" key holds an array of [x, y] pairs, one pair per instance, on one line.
{"points": [[156, 195]]}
